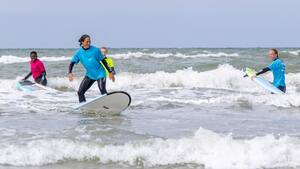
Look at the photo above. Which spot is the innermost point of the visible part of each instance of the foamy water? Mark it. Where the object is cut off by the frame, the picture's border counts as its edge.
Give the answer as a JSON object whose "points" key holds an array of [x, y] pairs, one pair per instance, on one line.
{"points": [[191, 108], [9, 59], [205, 147]]}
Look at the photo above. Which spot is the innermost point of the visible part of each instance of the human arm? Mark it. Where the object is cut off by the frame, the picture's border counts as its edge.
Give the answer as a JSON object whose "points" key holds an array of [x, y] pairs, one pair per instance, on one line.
{"points": [[70, 74], [44, 75], [264, 70], [113, 71], [75, 60], [27, 76], [111, 74], [42, 68], [101, 59]]}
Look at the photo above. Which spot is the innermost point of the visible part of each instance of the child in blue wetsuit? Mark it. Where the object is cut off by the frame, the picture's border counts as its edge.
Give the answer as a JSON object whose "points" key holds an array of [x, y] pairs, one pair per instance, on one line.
{"points": [[278, 69], [91, 58]]}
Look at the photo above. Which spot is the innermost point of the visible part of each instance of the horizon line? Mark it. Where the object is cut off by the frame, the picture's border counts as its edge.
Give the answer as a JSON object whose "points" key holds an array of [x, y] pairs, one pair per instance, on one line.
{"points": [[265, 47]]}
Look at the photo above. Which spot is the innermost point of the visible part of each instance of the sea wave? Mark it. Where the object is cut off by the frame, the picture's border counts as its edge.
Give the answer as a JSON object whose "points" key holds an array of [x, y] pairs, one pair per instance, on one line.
{"points": [[284, 101], [293, 52], [130, 55], [225, 77], [9, 59], [227, 81], [206, 148]]}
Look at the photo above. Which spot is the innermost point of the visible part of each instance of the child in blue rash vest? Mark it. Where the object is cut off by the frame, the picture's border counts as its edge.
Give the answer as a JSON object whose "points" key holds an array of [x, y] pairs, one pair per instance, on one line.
{"points": [[90, 57], [278, 69]]}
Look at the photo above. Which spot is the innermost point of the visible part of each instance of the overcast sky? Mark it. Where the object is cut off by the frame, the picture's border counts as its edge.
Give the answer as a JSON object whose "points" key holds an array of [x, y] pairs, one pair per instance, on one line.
{"points": [[150, 23]]}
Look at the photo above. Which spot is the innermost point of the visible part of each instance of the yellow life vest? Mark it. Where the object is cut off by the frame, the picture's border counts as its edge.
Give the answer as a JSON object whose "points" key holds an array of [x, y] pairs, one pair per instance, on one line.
{"points": [[110, 63]]}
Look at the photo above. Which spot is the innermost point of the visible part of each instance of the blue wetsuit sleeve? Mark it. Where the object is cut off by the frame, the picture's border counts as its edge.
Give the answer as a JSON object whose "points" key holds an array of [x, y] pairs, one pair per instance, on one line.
{"points": [[273, 65], [75, 58]]}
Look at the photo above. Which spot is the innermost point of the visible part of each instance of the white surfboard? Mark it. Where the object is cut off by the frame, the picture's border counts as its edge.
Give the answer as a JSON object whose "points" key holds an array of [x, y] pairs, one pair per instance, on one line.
{"points": [[109, 104], [262, 82], [29, 86], [267, 85]]}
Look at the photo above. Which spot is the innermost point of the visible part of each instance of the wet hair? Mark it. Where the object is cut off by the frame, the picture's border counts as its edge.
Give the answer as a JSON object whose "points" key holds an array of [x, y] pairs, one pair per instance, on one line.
{"points": [[104, 48], [275, 51], [82, 38], [33, 52]]}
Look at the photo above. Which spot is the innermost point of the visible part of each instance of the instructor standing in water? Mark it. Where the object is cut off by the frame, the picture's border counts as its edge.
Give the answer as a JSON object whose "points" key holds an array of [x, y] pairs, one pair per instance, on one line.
{"points": [[278, 69], [90, 57]]}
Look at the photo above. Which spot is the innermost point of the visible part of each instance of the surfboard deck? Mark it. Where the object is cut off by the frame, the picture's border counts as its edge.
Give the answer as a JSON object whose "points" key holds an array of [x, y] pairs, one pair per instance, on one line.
{"points": [[109, 104], [29, 86], [262, 82]]}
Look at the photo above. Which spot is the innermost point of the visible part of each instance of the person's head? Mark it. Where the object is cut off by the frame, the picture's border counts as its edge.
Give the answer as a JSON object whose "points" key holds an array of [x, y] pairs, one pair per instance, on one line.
{"points": [[273, 54], [85, 41], [33, 55], [104, 50]]}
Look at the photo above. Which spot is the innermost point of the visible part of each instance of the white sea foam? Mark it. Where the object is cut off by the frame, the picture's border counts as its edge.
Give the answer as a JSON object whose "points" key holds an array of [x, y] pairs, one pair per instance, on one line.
{"points": [[224, 77], [204, 148], [9, 59], [130, 55], [295, 52], [286, 101], [292, 52]]}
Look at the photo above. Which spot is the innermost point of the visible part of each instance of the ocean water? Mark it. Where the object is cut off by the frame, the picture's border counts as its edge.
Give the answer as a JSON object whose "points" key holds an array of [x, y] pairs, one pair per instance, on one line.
{"points": [[191, 108]]}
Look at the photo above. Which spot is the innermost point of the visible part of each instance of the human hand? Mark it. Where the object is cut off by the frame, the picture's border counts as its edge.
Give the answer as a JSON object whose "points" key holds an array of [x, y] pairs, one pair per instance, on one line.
{"points": [[71, 77], [112, 77]]}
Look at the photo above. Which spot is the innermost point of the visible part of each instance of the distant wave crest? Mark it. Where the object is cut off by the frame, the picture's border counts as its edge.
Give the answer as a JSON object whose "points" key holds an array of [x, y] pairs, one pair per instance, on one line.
{"points": [[9, 59]]}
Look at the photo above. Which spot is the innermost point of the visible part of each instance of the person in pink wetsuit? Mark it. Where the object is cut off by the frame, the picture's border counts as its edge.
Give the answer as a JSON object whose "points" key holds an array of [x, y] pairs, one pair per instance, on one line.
{"points": [[38, 70]]}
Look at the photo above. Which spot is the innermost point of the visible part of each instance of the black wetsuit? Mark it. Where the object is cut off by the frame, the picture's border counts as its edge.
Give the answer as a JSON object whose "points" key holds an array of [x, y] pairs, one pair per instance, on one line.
{"points": [[41, 79], [87, 83]]}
